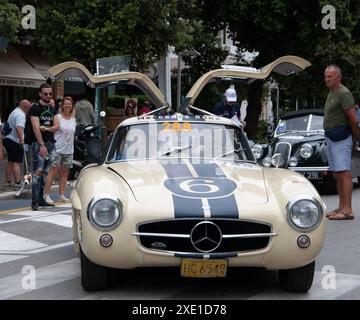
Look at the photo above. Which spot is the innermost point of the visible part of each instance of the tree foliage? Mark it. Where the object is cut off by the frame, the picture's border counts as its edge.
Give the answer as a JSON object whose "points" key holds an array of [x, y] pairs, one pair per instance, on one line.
{"points": [[9, 20], [85, 30], [284, 27]]}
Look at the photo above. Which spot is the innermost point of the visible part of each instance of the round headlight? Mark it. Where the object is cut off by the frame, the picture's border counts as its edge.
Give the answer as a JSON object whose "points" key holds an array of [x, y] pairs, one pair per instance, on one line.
{"points": [[257, 151], [293, 162], [105, 212], [306, 151], [304, 214]]}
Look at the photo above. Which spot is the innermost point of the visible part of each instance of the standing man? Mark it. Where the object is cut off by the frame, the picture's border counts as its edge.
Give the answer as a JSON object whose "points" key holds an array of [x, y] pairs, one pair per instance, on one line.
{"points": [[43, 144], [229, 108], [14, 144], [341, 130]]}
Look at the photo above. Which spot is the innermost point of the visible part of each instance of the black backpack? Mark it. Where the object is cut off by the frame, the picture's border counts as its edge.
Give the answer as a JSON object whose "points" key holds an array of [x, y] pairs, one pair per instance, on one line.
{"points": [[6, 130]]}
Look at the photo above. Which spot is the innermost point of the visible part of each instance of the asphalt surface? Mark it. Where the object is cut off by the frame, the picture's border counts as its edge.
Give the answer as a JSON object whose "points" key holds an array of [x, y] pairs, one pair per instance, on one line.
{"points": [[40, 244]]}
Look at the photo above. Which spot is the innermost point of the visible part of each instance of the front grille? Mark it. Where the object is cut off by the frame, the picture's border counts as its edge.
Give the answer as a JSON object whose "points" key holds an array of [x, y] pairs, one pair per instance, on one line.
{"points": [[174, 235], [284, 148]]}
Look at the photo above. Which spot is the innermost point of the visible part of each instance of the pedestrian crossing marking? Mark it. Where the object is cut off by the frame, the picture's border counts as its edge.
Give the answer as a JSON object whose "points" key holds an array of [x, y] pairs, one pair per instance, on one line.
{"points": [[40, 216], [344, 283], [58, 219], [11, 243], [11, 286], [4, 258]]}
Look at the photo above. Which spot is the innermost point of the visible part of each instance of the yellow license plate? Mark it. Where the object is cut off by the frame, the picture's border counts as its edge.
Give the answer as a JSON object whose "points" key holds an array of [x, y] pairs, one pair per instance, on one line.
{"points": [[202, 268]]}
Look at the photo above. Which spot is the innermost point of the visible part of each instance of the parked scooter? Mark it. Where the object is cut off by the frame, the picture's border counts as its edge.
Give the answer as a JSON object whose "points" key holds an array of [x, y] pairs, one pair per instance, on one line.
{"points": [[87, 148]]}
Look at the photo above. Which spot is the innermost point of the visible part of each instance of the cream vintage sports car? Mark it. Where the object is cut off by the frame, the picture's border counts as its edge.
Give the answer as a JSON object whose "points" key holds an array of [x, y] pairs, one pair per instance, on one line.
{"points": [[183, 189]]}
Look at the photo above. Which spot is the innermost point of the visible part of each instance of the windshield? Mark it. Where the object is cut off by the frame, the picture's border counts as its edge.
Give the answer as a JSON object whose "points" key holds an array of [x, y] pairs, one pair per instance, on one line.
{"points": [[305, 123], [179, 140]]}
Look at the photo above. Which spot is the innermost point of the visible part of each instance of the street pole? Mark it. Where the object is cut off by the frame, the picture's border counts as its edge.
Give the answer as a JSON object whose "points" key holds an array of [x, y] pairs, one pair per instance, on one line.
{"points": [[192, 53], [165, 77], [178, 100], [97, 96]]}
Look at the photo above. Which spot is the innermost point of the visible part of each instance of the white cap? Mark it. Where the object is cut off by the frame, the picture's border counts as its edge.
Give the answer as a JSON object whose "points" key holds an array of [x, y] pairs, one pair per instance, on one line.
{"points": [[230, 94]]}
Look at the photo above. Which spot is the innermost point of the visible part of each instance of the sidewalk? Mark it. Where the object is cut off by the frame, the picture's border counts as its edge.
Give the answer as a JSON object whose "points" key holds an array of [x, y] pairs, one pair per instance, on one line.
{"points": [[26, 194]]}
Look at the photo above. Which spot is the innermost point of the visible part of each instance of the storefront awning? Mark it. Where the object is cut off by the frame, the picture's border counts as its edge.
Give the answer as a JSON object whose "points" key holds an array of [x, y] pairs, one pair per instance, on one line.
{"points": [[16, 72]]}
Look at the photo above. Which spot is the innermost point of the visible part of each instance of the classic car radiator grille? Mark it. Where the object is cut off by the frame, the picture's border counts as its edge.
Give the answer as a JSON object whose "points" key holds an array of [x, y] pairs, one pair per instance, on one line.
{"points": [[284, 148], [175, 235]]}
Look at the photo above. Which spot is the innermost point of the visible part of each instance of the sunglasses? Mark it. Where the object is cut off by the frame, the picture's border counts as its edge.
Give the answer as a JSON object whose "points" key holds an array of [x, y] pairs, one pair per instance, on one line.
{"points": [[47, 93]]}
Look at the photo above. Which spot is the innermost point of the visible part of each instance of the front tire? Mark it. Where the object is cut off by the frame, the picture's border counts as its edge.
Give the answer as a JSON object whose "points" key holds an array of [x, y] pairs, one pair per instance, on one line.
{"points": [[93, 276], [298, 279]]}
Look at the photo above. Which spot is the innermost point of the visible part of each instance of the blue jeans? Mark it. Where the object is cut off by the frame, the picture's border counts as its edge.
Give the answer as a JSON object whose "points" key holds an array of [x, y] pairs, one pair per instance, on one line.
{"points": [[40, 165]]}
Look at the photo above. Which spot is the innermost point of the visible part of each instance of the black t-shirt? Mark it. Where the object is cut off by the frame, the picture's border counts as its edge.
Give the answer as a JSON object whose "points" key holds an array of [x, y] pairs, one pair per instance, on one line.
{"points": [[46, 118], [226, 111]]}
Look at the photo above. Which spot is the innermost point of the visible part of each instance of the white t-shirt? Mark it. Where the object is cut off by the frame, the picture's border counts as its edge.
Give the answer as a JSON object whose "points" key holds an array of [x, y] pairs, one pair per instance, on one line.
{"points": [[17, 118], [64, 137]]}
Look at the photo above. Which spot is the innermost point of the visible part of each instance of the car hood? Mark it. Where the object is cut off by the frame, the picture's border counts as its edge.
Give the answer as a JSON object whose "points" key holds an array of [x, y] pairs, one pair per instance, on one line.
{"points": [[153, 181]]}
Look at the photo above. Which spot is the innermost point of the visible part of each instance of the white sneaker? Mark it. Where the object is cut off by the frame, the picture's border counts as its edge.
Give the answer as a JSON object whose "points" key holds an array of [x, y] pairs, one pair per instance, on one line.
{"points": [[63, 198], [48, 200]]}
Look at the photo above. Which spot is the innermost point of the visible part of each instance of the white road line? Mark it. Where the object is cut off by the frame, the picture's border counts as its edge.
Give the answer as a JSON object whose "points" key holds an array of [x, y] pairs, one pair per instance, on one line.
{"points": [[12, 243], [7, 258], [343, 284], [58, 219], [11, 286], [40, 250], [32, 217]]}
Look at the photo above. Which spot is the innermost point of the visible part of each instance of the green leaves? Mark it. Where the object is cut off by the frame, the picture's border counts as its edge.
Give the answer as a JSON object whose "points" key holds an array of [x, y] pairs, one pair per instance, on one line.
{"points": [[10, 20]]}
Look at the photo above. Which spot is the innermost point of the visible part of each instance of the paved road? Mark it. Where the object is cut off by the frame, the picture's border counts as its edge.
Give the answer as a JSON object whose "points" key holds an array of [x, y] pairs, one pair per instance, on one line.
{"points": [[42, 243]]}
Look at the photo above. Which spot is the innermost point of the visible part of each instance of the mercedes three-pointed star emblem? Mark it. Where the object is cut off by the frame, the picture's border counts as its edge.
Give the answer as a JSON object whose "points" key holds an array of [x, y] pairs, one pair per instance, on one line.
{"points": [[206, 236]]}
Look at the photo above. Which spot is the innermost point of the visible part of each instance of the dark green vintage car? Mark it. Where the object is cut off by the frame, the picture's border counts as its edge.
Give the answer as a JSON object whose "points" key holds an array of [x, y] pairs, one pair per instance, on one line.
{"points": [[299, 144]]}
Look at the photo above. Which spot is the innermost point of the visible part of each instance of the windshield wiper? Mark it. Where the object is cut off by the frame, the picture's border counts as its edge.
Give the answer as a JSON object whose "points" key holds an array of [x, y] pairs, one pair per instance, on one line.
{"points": [[171, 150]]}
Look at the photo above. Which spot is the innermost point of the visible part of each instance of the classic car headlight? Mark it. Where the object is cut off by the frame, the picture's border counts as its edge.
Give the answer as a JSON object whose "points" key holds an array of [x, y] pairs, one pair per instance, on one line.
{"points": [[306, 151], [304, 214], [293, 162], [257, 151], [105, 212]]}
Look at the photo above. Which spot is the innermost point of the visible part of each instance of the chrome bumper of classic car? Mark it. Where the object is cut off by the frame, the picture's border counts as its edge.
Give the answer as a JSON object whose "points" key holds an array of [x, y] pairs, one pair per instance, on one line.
{"points": [[311, 173], [200, 238]]}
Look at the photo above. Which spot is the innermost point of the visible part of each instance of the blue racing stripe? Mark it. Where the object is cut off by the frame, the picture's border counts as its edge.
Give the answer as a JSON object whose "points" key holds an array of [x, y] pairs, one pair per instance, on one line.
{"points": [[225, 207], [177, 170], [183, 207], [209, 170]]}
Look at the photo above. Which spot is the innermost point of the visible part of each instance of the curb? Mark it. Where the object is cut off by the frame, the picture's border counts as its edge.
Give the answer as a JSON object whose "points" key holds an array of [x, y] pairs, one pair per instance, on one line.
{"points": [[10, 195]]}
